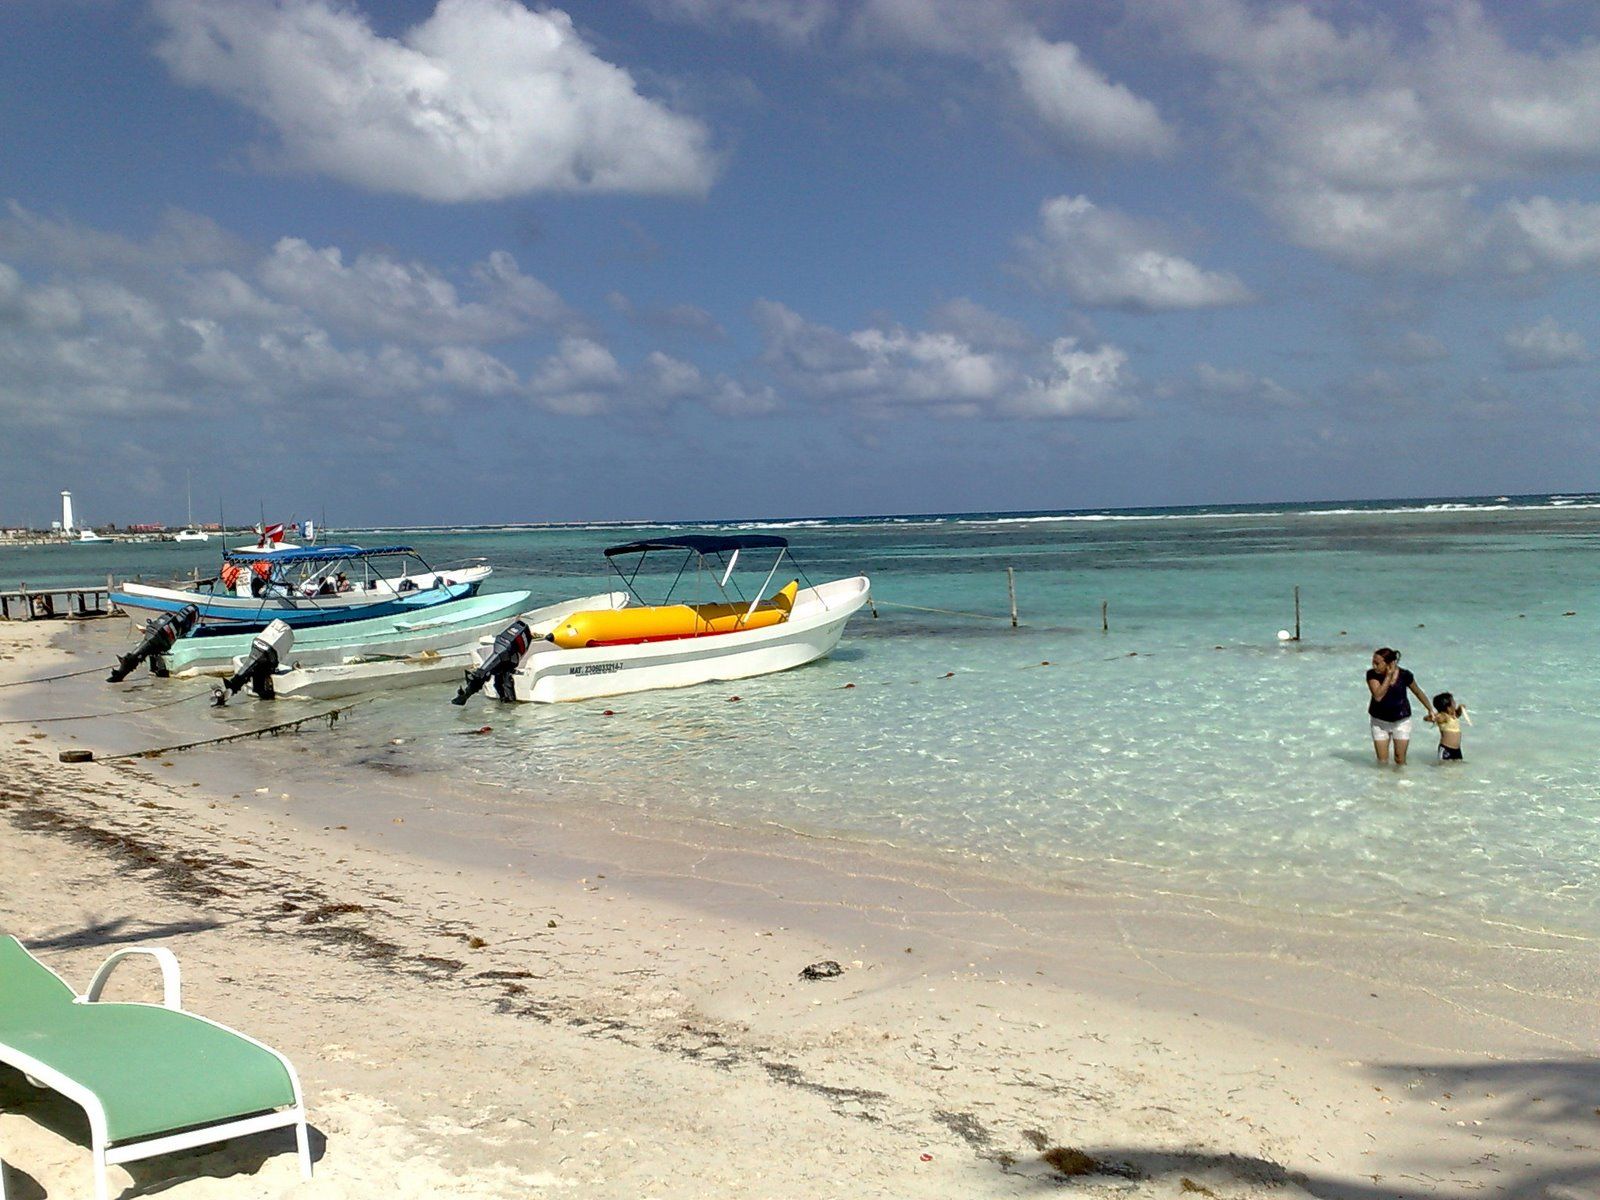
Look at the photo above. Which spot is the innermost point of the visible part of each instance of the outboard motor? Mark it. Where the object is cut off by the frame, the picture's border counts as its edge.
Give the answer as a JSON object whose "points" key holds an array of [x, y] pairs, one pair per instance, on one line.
{"points": [[159, 635], [498, 664], [267, 650]]}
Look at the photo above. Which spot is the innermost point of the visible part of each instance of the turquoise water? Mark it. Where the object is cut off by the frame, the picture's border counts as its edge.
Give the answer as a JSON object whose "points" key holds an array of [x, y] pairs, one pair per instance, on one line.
{"points": [[1186, 748]]}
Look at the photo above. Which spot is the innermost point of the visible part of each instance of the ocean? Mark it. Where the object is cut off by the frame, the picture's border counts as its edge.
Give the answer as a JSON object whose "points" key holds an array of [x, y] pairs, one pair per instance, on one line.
{"points": [[1183, 748]]}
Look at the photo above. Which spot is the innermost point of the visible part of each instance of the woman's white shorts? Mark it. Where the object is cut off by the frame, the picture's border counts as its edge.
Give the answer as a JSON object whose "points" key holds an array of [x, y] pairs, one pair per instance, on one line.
{"points": [[1386, 731]]}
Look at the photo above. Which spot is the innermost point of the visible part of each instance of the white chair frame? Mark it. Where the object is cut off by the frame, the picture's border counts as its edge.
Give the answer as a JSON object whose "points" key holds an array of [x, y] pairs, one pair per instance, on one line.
{"points": [[106, 1155]]}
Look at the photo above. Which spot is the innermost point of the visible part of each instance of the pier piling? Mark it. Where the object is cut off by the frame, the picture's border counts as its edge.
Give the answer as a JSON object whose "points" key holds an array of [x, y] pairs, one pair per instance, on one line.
{"points": [[1011, 588]]}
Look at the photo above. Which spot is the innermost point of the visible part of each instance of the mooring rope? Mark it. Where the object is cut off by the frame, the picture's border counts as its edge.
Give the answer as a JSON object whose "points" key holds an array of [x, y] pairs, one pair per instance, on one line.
{"points": [[331, 716], [949, 612], [114, 713], [51, 678]]}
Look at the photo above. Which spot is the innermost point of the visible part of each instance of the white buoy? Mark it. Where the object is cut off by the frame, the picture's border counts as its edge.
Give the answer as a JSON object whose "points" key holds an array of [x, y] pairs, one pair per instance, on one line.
{"points": [[1285, 636]]}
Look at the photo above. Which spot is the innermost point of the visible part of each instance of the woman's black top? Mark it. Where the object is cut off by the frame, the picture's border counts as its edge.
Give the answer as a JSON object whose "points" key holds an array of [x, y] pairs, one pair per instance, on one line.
{"points": [[1396, 704]]}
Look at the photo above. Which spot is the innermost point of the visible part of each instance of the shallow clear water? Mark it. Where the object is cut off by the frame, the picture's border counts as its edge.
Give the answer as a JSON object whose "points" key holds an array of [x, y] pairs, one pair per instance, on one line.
{"points": [[1186, 748]]}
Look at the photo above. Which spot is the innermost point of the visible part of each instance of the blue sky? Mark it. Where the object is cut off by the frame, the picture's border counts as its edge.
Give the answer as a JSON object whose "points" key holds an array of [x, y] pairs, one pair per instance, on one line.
{"points": [[477, 260]]}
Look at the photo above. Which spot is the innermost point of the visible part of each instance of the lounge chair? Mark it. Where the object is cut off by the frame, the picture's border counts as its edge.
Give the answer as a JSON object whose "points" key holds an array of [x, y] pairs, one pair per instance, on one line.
{"points": [[151, 1078]]}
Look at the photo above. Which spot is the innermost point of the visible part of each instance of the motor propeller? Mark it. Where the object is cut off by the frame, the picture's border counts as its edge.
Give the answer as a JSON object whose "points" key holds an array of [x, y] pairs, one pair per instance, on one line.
{"points": [[498, 664], [159, 636], [267, 650]]}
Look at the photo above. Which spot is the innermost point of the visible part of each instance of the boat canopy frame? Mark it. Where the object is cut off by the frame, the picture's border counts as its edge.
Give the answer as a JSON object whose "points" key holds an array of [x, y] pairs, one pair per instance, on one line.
{"points": [[325, 563], [719, 554]]}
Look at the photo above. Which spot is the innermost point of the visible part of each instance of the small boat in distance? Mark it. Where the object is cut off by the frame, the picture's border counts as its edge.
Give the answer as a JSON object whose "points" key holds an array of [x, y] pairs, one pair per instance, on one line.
{"points": [[305, 585], [619, 648], [191, 532]]}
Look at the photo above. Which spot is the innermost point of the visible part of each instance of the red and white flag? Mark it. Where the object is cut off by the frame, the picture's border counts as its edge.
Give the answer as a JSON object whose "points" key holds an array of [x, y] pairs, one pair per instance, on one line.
{"points": [[271, 535]]}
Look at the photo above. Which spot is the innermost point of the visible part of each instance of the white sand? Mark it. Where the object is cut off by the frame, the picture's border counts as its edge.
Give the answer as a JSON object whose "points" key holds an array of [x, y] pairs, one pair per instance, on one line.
{"points": [[621, 1015]]}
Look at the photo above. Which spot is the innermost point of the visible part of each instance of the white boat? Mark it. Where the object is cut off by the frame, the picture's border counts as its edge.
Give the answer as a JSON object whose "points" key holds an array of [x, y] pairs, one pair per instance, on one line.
{"points": [[191, 532], [648, 646], [357, 675], [87, 536]]}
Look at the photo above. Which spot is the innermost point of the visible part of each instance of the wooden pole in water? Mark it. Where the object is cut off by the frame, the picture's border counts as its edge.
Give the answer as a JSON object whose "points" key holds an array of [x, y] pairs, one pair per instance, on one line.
{"points": [[1297, 612], [1011, 587], [1105, 623]]}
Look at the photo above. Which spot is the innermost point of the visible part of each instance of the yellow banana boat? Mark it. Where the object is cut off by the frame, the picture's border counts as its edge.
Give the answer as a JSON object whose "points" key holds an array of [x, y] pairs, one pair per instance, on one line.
{"points": [[604, 627]]}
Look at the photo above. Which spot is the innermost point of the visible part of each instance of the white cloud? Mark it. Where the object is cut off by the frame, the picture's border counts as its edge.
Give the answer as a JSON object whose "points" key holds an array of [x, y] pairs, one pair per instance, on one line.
{"points": [[1413, 346], [181, 237], [885, 369], [379, 295], [1078, 383], [665, 380], [1081, 106], [470, 370], [1105, 259], [507, 288], [1561, 234], [979, 327], [1241, 386], [579, 379], [796, 21], [1542, 345], [1371, 141], [374, 340], [967, 28], [672, 318], [1430, 231], [483, 100]]}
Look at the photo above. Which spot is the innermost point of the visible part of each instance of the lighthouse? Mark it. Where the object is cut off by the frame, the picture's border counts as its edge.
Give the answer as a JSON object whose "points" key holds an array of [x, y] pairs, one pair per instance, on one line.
{"points": [[66, 512]]}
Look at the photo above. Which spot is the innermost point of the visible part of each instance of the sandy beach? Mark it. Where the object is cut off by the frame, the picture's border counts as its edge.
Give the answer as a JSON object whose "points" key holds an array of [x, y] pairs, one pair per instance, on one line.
{"points": [[604, 1003]]}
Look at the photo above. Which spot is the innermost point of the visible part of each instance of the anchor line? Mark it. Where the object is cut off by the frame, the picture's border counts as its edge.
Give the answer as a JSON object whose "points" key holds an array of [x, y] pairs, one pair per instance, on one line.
{"points": [[115, 713], [51, 678], [949, 612], [331, 716]]}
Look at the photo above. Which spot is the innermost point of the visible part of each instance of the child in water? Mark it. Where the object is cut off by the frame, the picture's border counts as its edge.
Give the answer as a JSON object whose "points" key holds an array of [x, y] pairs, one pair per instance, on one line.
{"points": [[1447, 716]]}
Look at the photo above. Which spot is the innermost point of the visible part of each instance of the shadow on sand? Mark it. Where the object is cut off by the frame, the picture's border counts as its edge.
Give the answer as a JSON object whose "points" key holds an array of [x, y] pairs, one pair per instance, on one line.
{"points": [[1487, 1111]]}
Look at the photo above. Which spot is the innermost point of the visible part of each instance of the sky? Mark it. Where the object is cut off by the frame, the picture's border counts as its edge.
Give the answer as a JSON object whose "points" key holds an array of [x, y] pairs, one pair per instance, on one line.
{"points": [[440, 261]]}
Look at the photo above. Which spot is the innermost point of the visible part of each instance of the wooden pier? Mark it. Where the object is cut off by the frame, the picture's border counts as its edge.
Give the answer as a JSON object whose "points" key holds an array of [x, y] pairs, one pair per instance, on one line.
{"points": [[55, 603]]}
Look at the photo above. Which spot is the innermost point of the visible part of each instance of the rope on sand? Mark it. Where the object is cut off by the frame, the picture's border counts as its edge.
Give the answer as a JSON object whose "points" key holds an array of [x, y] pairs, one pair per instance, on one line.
{"points": [[52, 678], [114, 713], [331, 716]]}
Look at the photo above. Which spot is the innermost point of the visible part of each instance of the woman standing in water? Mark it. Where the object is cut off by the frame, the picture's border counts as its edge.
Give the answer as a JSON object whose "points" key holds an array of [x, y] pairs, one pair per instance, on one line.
{"points": [[1390, 709]]}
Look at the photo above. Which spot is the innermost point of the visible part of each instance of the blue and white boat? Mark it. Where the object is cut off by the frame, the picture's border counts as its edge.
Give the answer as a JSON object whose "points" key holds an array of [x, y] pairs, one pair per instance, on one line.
{"points": [[305, 585]]}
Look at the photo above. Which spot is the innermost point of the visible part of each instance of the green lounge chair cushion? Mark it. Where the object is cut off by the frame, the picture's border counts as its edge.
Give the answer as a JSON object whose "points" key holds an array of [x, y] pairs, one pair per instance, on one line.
{"points": [[154, 1070]]}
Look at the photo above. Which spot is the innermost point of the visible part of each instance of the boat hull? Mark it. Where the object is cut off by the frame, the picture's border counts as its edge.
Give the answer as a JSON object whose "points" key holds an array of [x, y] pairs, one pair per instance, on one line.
{"points": [[551, 674], [434, 627], [332, 681], [442, 628], [242, 613]]}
